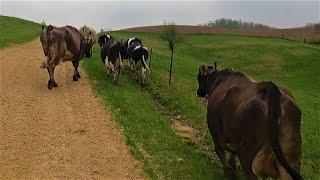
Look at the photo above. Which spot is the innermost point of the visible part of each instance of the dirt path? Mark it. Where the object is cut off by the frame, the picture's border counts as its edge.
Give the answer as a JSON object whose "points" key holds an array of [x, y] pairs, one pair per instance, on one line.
{"points": [[63, 133]]}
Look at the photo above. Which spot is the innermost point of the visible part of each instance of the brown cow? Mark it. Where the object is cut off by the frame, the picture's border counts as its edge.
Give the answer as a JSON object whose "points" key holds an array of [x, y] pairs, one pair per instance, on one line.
{"points": [[258, 122], [62, 44]]}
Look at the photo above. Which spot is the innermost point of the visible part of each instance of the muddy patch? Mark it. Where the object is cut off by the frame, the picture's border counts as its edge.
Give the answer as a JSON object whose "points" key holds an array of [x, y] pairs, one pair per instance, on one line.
{"points": [[185, 131]]}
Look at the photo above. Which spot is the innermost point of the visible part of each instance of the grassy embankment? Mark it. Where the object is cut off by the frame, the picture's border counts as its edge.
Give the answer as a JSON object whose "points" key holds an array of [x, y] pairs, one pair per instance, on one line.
{"points": [[16, 31], [146, 113]]}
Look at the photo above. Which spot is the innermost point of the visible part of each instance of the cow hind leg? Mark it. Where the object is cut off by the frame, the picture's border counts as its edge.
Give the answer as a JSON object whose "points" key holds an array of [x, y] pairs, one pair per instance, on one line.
{"points": [[136, 73], [51, 64], [232, 161], [116, 76], [131, 64], [110, 68], [246, 164], [117, 69], [228, 170], [76, 73], [264, 165], [143, 75], [51, 82]]}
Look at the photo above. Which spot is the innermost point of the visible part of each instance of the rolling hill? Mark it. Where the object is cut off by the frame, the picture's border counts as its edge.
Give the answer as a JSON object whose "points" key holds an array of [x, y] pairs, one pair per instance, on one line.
{"points": [[296, 34]]}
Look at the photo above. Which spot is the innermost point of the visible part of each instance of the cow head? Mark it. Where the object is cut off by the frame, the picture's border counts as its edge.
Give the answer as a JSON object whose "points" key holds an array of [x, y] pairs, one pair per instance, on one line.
{"points": [[206, 78], [88, 44]]}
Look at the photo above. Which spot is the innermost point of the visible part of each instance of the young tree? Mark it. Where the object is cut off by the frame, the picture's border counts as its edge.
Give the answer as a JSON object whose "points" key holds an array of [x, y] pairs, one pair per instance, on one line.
{"points": [[317, 28], [172, 36]]}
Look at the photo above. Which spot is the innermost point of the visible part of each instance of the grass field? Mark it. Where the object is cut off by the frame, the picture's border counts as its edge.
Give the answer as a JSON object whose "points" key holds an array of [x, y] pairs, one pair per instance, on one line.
{"points": [[146, 113], [16, 31]]}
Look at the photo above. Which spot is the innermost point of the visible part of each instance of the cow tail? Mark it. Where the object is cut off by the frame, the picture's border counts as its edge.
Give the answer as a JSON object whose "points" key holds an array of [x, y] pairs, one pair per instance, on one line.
{"points": [[145, 64], [274, 113], [120, 63], [49, 28]]}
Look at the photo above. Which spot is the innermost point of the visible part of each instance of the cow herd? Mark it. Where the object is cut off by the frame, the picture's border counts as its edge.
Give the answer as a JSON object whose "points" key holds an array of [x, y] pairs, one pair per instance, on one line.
{"points": [[258, 122], [67, 43], [113, 52]]}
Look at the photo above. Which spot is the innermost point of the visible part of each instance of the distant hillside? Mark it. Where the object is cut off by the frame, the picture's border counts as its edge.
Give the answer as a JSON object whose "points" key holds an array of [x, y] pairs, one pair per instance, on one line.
{"points": [[296, 34], [16, 31]]}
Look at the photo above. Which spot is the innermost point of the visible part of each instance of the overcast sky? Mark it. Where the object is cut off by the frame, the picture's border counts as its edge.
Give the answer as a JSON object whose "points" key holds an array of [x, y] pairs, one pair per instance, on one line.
{"points": [[129, 13]]}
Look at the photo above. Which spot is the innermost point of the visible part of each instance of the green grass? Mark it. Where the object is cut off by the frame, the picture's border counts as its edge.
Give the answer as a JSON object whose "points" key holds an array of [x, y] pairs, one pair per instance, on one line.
{"points": [[16, 31], [145, 114]]}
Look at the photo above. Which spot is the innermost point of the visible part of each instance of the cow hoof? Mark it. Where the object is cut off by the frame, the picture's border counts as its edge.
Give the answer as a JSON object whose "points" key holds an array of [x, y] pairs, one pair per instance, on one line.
{"points": [[49, 86], [75, 78], [55, 84], [78, 76]]}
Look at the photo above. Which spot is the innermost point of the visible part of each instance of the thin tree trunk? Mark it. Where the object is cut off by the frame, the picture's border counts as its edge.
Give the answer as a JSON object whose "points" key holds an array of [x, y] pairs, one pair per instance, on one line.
{"points": [[171, 66]]}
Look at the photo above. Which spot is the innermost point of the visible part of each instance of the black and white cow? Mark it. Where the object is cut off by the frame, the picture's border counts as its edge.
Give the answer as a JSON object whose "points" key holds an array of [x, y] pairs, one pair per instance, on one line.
{"points": [[111, 57], [140, 56], [104, 38], [129, 45]]}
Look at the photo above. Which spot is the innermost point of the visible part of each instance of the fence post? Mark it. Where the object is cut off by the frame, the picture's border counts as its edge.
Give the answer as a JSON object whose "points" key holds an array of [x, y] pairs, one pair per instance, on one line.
{"points": [[304, 40], [150, 58], [171, 66], [282, 36]]}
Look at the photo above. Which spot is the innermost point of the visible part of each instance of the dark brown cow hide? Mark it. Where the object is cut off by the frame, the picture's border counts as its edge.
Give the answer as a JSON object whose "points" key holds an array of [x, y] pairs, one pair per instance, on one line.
{"points": [[258, 122]]}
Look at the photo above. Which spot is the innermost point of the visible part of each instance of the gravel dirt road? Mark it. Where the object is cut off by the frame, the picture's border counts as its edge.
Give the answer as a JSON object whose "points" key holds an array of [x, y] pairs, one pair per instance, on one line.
{"points": [[63, 133]]}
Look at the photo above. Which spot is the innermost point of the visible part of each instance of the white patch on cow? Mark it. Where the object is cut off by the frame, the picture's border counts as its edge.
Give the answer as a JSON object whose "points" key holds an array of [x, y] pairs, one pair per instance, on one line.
{"points": [[106, 63], [129, 41], [136, 48], [109, 36], [144, 62], [111, 66], [145, 48], [120, 57]]}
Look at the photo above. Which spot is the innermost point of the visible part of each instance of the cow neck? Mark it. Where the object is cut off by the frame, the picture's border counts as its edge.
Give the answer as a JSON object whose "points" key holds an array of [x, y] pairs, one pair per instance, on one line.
{"points": [[222, 76]]}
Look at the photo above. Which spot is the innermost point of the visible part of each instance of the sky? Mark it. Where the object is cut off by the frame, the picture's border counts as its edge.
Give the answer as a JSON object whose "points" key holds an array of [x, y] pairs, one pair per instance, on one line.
{"points": [[129, 13]]}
